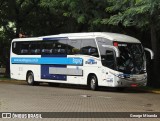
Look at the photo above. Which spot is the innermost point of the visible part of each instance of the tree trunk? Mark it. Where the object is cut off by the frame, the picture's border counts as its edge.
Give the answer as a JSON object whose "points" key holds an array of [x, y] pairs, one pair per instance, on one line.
{"points": [[155, 71], [17, 29]]}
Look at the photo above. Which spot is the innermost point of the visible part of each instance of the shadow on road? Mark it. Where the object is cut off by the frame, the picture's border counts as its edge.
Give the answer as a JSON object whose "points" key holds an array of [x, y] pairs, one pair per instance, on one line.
{"points": [[77, 87]]}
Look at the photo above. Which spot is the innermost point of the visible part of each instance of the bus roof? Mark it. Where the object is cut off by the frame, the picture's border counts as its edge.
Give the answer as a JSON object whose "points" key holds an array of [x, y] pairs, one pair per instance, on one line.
{"points": [[107, 35]]}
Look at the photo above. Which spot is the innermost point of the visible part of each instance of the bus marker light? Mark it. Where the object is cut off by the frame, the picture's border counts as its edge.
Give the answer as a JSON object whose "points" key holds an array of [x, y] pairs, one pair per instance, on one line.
{"points": [[134, 85], [115, 44]]}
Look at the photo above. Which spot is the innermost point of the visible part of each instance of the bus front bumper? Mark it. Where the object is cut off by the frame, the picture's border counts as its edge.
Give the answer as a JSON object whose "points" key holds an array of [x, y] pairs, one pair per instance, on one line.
{"points": [[140, 80]]}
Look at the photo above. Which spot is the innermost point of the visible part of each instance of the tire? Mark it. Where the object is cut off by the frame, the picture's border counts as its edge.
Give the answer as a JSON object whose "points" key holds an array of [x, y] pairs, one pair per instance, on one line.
{"points": [[93, 83], [30, 79], [53, 84]]}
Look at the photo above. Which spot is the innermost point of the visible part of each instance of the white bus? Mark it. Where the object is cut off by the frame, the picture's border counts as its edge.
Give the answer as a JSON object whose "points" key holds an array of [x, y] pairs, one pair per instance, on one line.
{"points": [[94, 59]]}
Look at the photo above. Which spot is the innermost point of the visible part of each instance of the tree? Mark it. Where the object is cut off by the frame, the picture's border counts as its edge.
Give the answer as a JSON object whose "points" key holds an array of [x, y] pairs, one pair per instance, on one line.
{"points": [[81, 15], [140, 13]]}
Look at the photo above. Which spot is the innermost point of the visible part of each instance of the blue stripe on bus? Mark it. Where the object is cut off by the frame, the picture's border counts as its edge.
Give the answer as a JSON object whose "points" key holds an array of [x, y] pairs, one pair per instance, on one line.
{"points": [[55, 38], [48, 60]]}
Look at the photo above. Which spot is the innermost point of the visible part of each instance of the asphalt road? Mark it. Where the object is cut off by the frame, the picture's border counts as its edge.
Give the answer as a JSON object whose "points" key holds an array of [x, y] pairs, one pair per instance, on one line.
{"points": [[16, 96]]}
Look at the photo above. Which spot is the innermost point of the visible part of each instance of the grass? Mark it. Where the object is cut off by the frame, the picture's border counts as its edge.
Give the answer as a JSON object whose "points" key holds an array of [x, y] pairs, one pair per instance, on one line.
{"points": [[11, 81], [4, 78], [150, 89]]}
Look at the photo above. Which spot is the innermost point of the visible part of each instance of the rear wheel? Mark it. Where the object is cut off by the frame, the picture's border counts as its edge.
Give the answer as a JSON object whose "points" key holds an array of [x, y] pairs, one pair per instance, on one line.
{"points": [[93, 82]]}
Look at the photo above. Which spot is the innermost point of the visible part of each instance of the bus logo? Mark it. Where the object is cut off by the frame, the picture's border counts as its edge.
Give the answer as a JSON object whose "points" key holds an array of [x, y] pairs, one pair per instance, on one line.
{"points": [[91, 61], [77, 61]]}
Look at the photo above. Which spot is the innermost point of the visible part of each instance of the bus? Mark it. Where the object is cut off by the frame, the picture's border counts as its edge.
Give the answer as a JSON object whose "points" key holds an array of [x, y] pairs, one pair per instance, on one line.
{"points": [[94, 59]]}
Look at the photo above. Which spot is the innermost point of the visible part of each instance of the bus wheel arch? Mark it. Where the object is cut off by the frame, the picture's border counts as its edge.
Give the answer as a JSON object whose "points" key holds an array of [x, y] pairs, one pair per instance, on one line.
{"points": [[30, 78], [92, 81]]}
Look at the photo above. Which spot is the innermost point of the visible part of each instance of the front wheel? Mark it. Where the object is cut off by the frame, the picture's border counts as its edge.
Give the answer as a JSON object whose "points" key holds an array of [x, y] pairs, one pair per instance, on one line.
{"points": [[93, 83]]}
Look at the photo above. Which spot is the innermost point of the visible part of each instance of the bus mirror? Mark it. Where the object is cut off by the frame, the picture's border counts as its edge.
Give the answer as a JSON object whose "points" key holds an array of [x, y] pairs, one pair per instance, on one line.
{"points": [[114, 48], [151, 52]]}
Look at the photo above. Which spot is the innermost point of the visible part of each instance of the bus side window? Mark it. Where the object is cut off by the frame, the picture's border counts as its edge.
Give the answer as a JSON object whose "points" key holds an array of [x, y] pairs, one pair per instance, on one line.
{"points": [[74, 46], [35, 48], [24, 48], [16, 47], [24, 51], [47, 47], [60, 47], [89, 47]]}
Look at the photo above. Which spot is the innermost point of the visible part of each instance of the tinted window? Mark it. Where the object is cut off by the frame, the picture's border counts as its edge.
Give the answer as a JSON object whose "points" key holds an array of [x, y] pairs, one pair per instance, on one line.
{"points": [[107, 54], [47, 47], [35, 48], [88, 47], [16, 47], [74, 47], [24, 49], [101, 42], [54, 47], [59, 47]]}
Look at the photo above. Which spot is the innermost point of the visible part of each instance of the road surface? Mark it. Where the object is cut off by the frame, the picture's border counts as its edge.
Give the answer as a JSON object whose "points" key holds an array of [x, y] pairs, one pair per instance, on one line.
{"points": [[17, 96]]}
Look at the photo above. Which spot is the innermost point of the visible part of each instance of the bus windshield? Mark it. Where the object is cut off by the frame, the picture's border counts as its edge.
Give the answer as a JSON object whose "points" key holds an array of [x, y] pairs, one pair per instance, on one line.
{"points": [[131, 60]]}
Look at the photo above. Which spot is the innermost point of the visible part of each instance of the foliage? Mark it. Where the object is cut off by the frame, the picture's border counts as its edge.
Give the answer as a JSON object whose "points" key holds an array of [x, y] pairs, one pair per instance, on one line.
{"points": [[138, 13], [86, 13], [143, 14]]}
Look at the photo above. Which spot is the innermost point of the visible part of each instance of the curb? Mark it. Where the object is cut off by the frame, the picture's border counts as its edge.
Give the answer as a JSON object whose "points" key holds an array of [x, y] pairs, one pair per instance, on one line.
{"points": [[149, 91], [154, 91]]}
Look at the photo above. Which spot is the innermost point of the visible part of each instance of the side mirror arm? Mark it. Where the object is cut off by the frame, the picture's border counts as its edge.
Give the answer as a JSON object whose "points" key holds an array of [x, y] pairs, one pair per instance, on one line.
{"points": [[151, 52]]}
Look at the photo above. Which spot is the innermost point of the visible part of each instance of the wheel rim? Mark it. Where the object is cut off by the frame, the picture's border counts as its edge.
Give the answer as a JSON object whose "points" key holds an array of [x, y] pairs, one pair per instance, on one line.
{"points": [[93, 83], [30, 79]]}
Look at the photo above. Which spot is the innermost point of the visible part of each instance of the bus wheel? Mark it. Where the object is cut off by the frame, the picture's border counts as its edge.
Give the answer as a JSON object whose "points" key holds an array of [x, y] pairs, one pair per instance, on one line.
{"points": [[30, 79], [93, 83]]}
